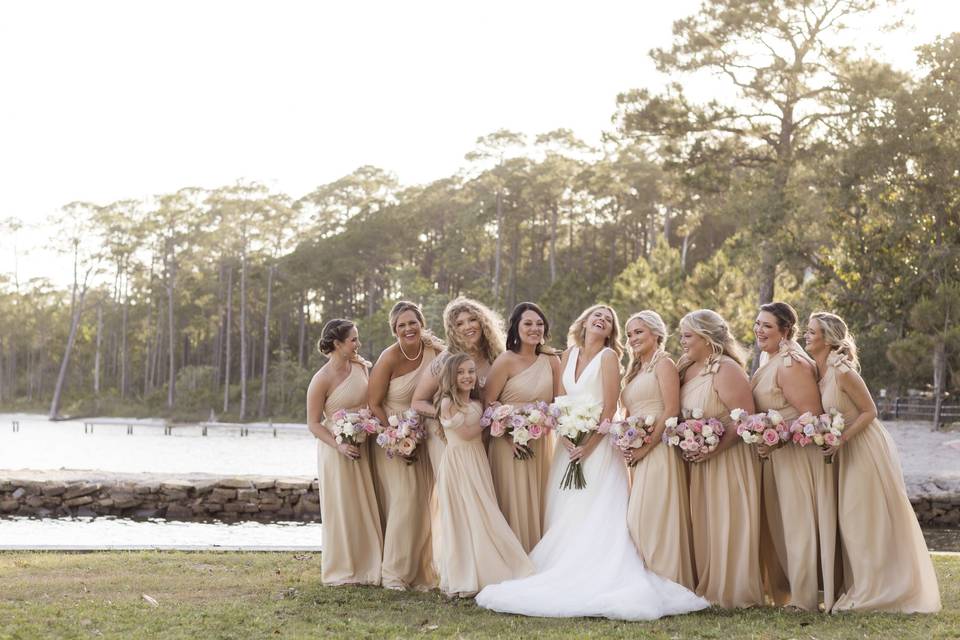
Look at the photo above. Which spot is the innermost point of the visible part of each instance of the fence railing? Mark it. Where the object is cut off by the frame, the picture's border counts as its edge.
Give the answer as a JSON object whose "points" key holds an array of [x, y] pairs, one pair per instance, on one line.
{"points": [[913, 408]]}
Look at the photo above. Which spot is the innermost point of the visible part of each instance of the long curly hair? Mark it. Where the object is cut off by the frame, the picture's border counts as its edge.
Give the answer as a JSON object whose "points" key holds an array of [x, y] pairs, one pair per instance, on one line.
{"points": [[429, 340], [491, 327], [578, 331], [655, 324]]}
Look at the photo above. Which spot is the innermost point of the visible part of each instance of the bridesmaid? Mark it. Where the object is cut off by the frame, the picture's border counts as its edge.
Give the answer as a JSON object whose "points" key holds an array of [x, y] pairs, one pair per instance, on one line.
{"points": [[403, 486], [886, 563], [526, 372], [352, 538], [658, 514], [724, 484], [800, 495], [471, 328], [478, 546]]}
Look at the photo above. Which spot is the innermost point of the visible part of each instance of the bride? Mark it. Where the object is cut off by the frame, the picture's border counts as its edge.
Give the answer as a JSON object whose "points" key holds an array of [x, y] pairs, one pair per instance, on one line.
{"points": [[586, 564]]}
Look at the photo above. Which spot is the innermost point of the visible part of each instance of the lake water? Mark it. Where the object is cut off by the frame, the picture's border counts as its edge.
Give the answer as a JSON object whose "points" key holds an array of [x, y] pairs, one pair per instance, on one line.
{"points": [[41, 444], [121, 533]]}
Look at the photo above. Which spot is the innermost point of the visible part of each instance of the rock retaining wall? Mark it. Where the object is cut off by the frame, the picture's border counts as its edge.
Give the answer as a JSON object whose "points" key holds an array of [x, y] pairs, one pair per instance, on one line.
{"points": [[182, 497], [199, 497]]}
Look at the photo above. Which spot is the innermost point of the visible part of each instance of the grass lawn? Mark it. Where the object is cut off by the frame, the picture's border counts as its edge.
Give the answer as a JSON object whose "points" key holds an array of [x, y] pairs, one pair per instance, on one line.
{"points": [[278, 595]]}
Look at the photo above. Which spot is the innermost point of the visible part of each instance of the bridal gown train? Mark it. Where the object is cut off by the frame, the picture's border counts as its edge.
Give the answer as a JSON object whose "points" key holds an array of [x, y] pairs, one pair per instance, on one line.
{"points": [[586, 563]]}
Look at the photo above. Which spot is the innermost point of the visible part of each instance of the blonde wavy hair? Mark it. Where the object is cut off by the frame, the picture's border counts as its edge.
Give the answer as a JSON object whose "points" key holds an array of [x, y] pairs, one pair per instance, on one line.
{"points": [[429, 340], [710, 325], [578, 330], [652, 320], [491, 327], [837, 335]]}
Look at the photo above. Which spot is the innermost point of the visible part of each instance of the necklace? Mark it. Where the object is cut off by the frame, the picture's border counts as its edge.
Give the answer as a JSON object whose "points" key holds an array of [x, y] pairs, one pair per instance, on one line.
{"points": [[414, 358]]}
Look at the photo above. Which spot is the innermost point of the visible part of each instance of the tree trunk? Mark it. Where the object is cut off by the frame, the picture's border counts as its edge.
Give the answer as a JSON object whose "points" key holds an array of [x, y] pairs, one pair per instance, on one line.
{"points": [[124, 356], [499, 248], [218, 341], [939, 377], [96, 357], [243, 334], [172, 334], [302, 336], [76, 309], [226, 341], [265, 365], [554, 217]]}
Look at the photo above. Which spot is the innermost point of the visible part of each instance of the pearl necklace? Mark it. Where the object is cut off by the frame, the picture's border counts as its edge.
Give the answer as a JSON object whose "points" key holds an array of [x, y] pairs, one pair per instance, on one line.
{"points": [[414, 358]]}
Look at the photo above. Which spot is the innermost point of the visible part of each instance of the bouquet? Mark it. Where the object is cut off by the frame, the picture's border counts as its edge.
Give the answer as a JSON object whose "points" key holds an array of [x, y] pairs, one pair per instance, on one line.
{"points": [[524, 423], [823, 430], [767, 427], [576, 419], [695, 435], [353, 427], [630, 433], [401, 434]]}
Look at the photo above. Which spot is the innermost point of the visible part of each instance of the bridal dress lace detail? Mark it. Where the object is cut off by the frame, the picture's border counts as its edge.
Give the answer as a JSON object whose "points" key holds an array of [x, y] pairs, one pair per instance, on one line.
{"points": [[586, 563]]}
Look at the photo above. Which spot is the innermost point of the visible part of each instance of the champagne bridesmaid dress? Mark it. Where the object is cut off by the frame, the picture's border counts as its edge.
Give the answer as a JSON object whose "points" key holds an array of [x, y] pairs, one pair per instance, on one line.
{"points": [[886, 563], [724, 506], [658, 514], [478, 546], [352, 537], [404, 497], [521, 485], [800, 502]]}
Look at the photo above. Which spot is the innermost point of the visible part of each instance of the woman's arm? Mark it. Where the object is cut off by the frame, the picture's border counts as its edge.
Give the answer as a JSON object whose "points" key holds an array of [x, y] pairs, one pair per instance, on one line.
{"points": [[426, 388], [378, 385], [799, 385], [668, 379], [496, 379], [853, 385], [316, 399]]}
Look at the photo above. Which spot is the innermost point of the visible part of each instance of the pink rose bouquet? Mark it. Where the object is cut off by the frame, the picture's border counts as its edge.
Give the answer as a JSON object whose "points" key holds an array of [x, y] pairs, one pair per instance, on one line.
{"points": [[522, 424], [630, 433], [401, 435], [824, 430], [353, 427], [694, 436], [767, 427]]}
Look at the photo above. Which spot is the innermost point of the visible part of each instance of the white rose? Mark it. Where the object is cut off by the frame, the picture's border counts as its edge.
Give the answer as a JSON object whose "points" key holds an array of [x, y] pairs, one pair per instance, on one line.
{"points": [[348, 429], [393, 420], [674, 440], [697, 414], [672, 423], [737, 414], [707, 431], [339, 439], [521, 436], [838, 422], [534, 416], [818, 440], [711, 440], [775, 417], [688, 434], [648, 421]]}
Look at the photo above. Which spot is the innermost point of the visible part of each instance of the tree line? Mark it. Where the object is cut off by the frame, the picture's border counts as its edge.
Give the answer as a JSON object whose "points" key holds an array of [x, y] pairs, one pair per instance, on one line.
{"points": [[826, 180]]}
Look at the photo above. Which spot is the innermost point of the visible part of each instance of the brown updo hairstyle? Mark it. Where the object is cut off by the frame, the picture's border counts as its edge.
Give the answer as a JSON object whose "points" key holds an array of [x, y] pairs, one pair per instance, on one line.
{"points": [[337, 330], [429, 340], [513, 328], [786, 316]]}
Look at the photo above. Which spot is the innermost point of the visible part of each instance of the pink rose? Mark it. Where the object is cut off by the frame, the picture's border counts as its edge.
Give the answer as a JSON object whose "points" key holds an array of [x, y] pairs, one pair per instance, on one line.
{"points": [[770, 437], [407, 445], [496, 429], [536, 431], [829, 439]]}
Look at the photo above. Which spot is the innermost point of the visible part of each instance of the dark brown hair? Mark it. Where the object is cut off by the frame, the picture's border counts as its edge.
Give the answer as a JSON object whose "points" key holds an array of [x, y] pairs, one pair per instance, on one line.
{"points": [[786, 317], [337, 329], [513, 327]]}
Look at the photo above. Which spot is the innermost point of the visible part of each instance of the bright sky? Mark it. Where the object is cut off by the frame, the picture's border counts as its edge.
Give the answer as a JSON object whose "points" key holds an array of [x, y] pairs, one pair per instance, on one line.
{"points": [[103, 101]]}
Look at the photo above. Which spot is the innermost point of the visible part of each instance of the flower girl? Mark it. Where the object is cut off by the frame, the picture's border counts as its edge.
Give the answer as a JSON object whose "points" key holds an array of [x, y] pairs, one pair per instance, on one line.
{"points": [[478, 547]]}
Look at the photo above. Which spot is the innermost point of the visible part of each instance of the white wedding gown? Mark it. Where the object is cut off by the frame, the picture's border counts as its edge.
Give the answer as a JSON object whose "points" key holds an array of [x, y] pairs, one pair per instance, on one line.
{"points": [[586, 563]]}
